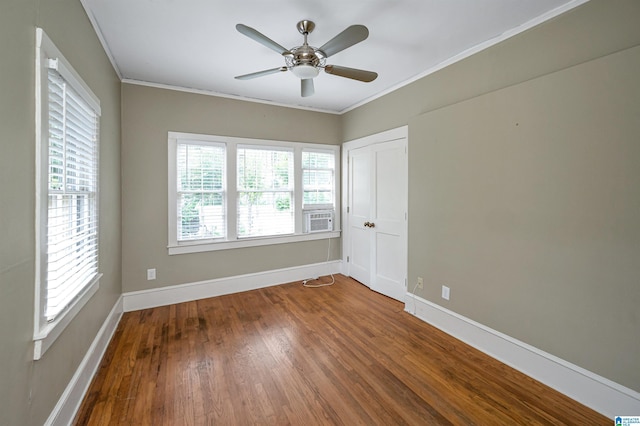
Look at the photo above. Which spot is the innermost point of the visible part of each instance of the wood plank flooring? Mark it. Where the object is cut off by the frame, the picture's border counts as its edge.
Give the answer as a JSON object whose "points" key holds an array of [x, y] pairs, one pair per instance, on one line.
{"points": [[340, 355]]}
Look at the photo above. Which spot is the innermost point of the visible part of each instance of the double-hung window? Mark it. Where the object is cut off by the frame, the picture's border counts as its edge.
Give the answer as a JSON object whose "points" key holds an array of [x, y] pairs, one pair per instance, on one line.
{"points": [[318, 179], [67, 123], [229, 192], [200, 191], [265, 191]]}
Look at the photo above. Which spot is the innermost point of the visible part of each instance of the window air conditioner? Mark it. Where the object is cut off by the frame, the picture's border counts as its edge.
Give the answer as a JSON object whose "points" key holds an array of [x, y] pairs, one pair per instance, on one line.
{"points": [[318, 221]]}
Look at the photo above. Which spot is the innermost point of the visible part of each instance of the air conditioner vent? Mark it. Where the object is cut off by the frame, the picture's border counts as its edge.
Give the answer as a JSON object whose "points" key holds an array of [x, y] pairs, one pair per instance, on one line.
{"points": [[318, 221]]}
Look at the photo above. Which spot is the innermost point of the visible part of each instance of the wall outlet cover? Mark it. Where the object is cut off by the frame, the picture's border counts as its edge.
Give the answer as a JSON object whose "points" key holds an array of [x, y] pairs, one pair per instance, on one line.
{"points": [[445, 292]]}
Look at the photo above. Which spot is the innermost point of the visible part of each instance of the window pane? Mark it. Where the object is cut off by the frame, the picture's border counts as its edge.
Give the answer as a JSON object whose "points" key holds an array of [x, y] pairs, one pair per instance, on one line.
{"points": [[264, 213], [264, 169], [201, 209], [317, 160], [318, 179], [201, 215], [200, 167], [72, 250], [318, 197]]}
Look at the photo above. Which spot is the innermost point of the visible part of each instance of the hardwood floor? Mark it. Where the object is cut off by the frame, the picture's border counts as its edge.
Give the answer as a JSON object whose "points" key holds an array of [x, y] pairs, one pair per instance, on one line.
{"points": [[308, 356]]}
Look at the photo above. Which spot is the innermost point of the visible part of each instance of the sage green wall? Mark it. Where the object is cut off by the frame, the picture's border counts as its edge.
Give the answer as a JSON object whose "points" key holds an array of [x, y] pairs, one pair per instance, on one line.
{"points": [[530, 212], [30, 389], [148, 114], [523, 185]]}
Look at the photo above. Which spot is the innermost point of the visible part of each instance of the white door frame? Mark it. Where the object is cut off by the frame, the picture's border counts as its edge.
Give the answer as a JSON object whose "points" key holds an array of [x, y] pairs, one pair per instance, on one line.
{"points": [[386, 136]]}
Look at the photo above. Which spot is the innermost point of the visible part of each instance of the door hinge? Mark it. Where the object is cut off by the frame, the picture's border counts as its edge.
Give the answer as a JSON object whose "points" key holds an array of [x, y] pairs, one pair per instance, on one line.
{"points": [[347, 209], [347, 259]]}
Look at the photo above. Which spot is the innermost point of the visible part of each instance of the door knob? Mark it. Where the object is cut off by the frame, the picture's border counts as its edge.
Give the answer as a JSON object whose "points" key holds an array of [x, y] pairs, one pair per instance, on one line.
{"points": [[367, 224], [372, 225]]}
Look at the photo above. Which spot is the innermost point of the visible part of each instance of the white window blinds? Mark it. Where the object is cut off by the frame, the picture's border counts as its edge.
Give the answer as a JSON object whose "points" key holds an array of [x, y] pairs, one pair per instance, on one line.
{"points": [[72, 183], [265, 191], [201, 203], [318, 169]]}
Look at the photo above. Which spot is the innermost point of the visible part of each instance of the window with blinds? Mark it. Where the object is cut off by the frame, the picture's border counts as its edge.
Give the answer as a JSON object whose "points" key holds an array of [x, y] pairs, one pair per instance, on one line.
{"points": [[227, 192], [318, 170], [201, 199], [72, 186], [265, 191]]}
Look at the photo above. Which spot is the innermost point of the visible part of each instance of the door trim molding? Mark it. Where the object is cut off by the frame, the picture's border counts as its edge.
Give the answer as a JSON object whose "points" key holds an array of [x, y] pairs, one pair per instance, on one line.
{"points": [[386, 136], [401, 132]]}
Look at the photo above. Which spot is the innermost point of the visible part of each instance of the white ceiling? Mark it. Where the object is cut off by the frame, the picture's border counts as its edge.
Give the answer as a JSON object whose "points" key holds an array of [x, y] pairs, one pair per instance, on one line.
{"points": [[193, 44]]}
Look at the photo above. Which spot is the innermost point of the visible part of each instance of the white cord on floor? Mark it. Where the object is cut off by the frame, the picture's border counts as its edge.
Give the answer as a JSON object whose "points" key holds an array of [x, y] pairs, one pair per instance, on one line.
{"points": [[305, 283]]}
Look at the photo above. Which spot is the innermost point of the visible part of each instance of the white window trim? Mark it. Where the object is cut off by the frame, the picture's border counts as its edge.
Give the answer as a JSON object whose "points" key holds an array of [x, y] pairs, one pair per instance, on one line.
{"points": [[45, 333], [183, 247]]}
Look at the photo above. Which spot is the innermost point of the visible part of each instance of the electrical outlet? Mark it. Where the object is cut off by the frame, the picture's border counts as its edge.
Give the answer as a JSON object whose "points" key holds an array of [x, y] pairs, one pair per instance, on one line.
{"points": [[420, 282], [151, 274], [445, 292]]}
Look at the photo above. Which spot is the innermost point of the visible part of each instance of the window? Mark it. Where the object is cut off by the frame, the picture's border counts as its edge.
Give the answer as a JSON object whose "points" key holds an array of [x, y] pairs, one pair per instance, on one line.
{"points": [[265, 192], [201, 197], [229, 192], [318, 179], [67, 193]]}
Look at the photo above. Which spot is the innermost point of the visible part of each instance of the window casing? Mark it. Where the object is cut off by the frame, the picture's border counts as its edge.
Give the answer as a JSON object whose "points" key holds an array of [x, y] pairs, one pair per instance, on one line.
{"points": [[67, 128], [260, 192]]}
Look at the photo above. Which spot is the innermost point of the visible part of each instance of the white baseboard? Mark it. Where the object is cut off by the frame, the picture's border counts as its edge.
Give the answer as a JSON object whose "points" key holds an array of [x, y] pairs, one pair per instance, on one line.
{"points": [[69, 403], [601, 394], [162, 296]]}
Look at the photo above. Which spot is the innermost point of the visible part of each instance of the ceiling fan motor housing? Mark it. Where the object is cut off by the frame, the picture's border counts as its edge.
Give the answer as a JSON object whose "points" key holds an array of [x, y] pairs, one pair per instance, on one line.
{"points": [[305, 61], [306, 55]]}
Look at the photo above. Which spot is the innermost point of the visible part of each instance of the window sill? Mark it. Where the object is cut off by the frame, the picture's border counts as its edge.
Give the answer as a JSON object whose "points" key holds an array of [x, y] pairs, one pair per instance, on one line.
{"points": [[51, 331], [200, 246]]}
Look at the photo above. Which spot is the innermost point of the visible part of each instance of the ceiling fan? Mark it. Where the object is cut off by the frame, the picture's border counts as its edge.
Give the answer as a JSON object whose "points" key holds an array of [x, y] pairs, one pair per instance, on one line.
{"points": [[306, 61]]}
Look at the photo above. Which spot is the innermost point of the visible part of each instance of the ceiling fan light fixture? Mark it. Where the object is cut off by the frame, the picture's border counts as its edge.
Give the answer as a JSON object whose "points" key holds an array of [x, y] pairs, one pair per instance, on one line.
{"points": [[304, 72]]}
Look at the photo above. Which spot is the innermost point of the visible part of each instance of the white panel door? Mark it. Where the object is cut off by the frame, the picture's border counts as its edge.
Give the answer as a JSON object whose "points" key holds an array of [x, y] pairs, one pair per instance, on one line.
{"points": [[360, 259], [376, 237], [388, 219]]}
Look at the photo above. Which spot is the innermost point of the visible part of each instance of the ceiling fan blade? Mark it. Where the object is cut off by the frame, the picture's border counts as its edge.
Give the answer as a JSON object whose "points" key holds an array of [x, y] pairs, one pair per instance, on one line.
{"points": [[306, 87], [352, 35], [262, 39], [353, 73], [260, 73]]}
